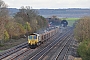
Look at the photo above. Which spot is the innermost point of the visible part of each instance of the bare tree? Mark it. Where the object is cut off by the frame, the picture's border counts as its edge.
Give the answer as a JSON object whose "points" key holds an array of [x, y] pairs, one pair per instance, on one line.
{"points": [[3, 9]]}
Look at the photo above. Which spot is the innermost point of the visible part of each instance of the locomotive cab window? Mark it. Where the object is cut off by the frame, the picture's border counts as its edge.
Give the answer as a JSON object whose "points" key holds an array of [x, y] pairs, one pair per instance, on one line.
{"points": [[30, 37], [35, 37]]}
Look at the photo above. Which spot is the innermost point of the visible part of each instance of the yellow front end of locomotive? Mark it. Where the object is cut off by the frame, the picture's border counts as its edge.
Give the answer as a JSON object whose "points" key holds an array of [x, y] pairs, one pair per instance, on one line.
{"points": [[32, 40]]}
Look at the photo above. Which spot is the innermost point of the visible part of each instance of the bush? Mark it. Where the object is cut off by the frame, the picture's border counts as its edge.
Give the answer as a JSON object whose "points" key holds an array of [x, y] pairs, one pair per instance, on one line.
{"points": [[84, 50], [27, 27], [6, 36]]}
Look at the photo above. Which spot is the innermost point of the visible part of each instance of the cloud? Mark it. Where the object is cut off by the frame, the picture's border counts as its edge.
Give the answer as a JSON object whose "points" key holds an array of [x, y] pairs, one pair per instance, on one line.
{"points": [[48, 3]]}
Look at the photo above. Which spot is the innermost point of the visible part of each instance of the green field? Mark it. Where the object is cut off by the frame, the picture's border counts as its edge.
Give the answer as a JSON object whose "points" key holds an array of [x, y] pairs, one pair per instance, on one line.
{"points": [[69, 18], [70, 22], [72, 18]]}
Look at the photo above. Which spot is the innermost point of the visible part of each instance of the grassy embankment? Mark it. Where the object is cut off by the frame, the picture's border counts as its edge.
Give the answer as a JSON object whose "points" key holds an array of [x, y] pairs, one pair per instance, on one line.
{"points": [[12, 43]]}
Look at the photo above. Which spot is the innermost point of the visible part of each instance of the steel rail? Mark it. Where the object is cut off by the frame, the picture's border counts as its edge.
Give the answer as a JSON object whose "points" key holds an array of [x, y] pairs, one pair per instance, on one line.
{"points": [[62, 50], [12, 50]]}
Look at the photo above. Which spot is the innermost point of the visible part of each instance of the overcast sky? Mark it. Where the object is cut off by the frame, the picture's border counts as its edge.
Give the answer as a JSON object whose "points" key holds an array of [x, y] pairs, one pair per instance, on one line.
{"points": [[37, 4]]}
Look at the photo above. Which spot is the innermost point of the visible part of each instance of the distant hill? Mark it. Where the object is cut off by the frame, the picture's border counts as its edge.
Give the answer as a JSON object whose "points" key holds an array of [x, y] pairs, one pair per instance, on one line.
{"points": [[12, 11], [73, 12]]}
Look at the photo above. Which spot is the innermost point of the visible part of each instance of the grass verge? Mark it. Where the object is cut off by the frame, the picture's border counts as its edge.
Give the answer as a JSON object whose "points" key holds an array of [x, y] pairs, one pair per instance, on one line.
{"points": [[12, 43]]}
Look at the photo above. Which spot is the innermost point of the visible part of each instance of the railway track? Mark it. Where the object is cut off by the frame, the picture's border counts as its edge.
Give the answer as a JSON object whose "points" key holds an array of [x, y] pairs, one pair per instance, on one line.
{"points": [[12, 50], [67, 50], [63, 43], [63, 50], [54, 53], [44, 51]]}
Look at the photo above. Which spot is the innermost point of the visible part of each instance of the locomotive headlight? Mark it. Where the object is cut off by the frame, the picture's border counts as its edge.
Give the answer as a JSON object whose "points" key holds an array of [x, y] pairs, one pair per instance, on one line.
{"points": [[29, 41]]}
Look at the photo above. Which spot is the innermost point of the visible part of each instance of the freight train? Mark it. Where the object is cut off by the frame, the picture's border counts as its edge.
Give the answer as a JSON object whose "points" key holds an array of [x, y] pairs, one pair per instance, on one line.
{"points": [[36, 39]]}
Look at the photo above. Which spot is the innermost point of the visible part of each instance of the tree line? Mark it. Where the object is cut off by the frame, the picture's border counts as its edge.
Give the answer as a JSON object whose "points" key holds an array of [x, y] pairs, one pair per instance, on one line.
{"points": [[82, 34], [25, 21]]}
